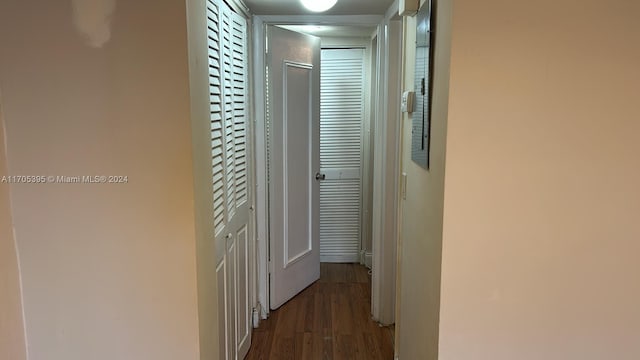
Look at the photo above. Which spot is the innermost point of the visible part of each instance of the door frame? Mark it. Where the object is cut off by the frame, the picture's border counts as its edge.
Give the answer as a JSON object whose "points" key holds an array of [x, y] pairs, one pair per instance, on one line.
{"points": [[365, 204], [384, 258], [387, 167]]}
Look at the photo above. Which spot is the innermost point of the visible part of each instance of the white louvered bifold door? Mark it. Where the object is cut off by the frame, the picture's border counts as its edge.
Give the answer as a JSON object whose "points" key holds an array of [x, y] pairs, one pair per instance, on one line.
{"points": [[227, 57], [341, 153]]}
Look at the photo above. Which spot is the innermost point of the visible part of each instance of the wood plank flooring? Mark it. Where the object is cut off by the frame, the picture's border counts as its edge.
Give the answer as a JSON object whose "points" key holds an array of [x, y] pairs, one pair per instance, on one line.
{"points": [[328, 320]]}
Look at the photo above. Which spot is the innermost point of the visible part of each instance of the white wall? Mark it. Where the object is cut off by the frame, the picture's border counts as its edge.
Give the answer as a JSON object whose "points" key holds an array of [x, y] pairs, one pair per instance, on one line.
{"points": [[542, 197], [108, 270], [12, 341]]}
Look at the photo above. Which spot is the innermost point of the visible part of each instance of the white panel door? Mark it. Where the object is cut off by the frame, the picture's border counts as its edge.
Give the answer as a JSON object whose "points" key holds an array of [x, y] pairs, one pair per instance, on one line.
{"points": [[293, 90], [341, 153], [226, 40]]}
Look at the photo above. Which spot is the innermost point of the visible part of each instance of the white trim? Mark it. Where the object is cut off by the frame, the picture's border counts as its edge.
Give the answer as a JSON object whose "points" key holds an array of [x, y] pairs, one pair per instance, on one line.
{"points": [[340, 258], [252, 242], [285, 168], [378, 178], [238, 265], [261, 185], [223, 265], [368, 259], [393, 12], [20, 282], [396, 158], [295, 259], [239, 7], [345, 47], [23, 312], [387, 170], [285, 165]]}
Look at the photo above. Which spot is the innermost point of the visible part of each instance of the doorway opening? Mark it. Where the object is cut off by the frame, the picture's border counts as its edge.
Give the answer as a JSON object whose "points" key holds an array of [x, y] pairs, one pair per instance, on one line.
{"points": [[349, 189], [347, 76]]}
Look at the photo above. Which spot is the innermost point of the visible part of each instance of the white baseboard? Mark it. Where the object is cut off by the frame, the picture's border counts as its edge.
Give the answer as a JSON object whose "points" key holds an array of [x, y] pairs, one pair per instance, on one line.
{"points": [[368, 259], [258, 314], [339, 258], [262, 311], [255, 318]]}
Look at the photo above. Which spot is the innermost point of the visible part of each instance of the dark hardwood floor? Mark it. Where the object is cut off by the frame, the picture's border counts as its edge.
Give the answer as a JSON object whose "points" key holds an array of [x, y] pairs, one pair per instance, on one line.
{"points": [[328, 320]]}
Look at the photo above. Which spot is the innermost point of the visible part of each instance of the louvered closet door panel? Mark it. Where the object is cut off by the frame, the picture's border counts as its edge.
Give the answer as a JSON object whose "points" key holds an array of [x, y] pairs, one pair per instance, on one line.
{"points": [[227, 58], [239, 92], [227, 76], [219, 151], [341, 153], [238, 125], [216, 117]]}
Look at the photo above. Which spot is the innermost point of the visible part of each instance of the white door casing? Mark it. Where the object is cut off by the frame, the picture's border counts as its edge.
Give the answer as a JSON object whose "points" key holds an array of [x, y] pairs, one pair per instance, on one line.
{"points": [[387, 169], [342, 111], [260, 23], [227, 59], [293, 73]]}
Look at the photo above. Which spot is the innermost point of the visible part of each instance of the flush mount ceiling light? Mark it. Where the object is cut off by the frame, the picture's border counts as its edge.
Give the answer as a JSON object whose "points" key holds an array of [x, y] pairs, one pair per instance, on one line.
{"points": [[318, 5]]}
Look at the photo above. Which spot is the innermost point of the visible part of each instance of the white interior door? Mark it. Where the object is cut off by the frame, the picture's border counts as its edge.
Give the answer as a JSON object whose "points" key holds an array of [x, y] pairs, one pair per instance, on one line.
{"points": [[293, 93], [341, 153], [227, 55]]}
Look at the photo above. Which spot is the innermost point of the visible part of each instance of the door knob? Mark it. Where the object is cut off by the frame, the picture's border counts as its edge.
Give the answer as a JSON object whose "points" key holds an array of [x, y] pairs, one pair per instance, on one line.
{"points": [[320, 176]]}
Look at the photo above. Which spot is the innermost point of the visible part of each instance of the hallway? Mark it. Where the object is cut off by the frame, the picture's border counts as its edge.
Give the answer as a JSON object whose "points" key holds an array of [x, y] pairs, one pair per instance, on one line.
{"points": [[328, 320]]}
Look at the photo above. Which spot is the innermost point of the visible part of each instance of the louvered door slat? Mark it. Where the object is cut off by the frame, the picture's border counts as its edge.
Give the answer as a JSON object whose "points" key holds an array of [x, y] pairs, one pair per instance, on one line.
{"points": [[238, 47], [216, 117], [227, 76], [341, 124]]}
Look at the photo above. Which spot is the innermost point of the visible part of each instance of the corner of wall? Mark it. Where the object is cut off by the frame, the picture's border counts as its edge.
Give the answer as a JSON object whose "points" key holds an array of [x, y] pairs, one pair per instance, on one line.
{"points": [[12, 328]]}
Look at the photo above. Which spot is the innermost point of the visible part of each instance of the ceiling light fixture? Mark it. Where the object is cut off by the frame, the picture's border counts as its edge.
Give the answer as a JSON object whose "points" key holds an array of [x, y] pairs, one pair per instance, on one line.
{"points": [[318, 5]]}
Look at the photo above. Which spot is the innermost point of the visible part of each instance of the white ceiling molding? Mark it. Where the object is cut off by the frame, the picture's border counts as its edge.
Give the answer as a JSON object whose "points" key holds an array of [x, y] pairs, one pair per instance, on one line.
{"points": [[363, 31], [393, 12], [239, 7]]}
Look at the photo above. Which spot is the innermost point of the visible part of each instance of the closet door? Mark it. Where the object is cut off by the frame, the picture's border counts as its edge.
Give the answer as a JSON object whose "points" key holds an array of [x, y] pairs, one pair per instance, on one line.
{"points": [[227, 57], [341, 153]]}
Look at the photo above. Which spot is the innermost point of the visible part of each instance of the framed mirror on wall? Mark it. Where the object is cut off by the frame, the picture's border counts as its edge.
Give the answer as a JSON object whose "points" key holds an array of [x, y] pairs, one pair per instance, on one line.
{"points": [[421, 120]]}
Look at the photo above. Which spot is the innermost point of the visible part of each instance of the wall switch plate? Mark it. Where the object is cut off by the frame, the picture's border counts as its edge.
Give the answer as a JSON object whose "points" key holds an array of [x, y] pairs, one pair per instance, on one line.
{"points": [[406, 105]]}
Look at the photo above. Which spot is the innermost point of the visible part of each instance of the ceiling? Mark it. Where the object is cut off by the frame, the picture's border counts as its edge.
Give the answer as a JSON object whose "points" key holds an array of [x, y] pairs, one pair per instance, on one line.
{"points": [[343, 7]]}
